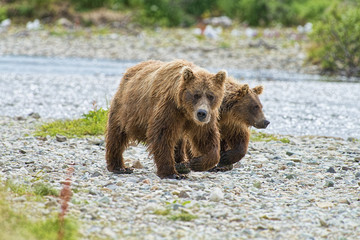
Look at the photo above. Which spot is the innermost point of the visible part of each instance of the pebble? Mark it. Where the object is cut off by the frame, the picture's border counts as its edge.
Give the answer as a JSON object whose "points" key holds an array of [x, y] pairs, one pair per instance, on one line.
{"points": [[331, 170], [216, 195], [60, 138]]}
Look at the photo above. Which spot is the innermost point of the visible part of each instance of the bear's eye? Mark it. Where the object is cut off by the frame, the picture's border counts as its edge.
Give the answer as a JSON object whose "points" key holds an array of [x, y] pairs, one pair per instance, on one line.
{"points": [[210, 97], [256, 107], [197, 96]]}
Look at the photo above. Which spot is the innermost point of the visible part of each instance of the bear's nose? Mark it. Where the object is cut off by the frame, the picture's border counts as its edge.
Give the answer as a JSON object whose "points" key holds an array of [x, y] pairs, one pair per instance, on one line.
{"points": [[201, 114], [266, 123]]}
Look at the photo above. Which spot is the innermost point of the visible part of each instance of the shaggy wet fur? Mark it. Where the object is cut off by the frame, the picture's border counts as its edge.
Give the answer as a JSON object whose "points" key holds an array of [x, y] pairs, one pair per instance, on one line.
{"points": [[160, 103]]}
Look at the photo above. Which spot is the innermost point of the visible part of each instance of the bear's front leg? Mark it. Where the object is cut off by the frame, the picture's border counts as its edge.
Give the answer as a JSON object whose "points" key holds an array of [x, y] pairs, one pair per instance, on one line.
{"points": [[162, 136], [233, 155], [207, 147]]}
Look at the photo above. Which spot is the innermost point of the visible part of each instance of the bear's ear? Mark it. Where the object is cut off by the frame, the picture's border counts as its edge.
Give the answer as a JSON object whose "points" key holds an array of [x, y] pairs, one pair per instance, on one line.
{"points": [[243, 90], [258, 89], [187, 73], [220, 77]]}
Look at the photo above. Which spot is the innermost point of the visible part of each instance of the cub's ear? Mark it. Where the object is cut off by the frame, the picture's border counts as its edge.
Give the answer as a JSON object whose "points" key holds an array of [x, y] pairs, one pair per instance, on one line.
{"points": [[258, 89], [243, 90], [187, 74], [220, 77]]}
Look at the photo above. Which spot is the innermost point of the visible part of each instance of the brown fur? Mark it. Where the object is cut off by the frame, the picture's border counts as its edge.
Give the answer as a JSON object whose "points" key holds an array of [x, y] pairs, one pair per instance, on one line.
{"points": [[241, 108], [159, 103]]}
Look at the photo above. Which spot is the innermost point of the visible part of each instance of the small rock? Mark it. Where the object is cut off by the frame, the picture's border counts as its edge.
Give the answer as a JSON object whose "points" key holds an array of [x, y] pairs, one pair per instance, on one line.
{"points": [[257, 184], [64, 22], [216, 195], [183, 194], [60, 138], [22, 151], [345, 168], [357, 159], [110, 233], [290, 176], [295, 159], [344, 200], [289, 153], [20, 118], [323, 223], [329, 184], [34, 115], [20, 199], [96, 174], [290, 164], [357, 175], [331, 170], [104, 200], [325, 204], [137, 164]]}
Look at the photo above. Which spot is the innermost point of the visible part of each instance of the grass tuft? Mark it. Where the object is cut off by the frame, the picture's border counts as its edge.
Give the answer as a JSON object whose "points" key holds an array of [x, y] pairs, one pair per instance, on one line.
{"points": [[91, 124]]}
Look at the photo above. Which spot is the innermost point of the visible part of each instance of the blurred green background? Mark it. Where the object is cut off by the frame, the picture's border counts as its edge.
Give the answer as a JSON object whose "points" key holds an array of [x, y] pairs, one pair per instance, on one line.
{"points": [[172, 13], [335, 44]]}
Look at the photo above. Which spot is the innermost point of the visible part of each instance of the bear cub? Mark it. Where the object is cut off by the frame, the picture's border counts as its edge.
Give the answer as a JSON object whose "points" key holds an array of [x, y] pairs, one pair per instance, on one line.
{"points": [[160, 103]]}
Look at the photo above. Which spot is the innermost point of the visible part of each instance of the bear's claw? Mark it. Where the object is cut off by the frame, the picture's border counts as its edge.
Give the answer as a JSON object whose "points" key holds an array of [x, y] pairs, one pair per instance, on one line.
{"points": [[175, 176], [123, 171], [222, 168]]}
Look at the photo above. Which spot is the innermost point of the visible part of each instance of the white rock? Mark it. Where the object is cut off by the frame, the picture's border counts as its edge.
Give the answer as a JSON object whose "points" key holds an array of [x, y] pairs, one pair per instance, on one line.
{"points": [[216, 195]]}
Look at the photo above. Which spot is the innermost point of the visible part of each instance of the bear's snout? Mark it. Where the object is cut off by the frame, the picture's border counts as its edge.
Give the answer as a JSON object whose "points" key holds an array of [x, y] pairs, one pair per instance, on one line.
{"points": [[266, 123], [262, 124], [201, 115]]}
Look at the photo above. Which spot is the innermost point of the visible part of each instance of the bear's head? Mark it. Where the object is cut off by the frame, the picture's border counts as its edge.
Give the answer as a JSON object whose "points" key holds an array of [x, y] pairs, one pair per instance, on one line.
{"points": [[201, 94], [244, 106]]}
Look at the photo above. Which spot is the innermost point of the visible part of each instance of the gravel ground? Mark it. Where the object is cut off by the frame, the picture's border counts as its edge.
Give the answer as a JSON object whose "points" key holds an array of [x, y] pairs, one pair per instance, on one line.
{"points": [[306, 189]]}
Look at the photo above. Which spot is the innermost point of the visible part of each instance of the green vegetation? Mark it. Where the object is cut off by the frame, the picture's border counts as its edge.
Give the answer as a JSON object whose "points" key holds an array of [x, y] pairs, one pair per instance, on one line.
{"points": [[92, 123], [180, 214], [177, 12], [264, 137], [38, 189], [17, 226], [336, 41]]}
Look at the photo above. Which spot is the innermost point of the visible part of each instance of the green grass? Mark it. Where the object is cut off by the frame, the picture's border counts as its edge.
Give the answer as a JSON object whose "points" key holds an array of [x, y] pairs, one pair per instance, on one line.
{"points": [[16, 225], [91, 124], [37, 189], [176, 215], [264, 137], [186, 217]]}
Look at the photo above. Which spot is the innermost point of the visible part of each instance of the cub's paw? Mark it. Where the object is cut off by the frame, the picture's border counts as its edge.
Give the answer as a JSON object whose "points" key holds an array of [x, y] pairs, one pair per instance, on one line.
{"points": [[222, 168], [123, 171], [182, 167], [196, 164], [225, 158], [175, 176]]}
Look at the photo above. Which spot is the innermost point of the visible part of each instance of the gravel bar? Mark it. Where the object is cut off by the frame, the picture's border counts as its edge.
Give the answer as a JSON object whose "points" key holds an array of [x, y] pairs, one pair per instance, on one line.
{"points": [[305, 189]]}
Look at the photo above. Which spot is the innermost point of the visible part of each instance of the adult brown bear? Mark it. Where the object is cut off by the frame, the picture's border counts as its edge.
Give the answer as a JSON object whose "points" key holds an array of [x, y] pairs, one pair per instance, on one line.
{"points": [[161, 103]]}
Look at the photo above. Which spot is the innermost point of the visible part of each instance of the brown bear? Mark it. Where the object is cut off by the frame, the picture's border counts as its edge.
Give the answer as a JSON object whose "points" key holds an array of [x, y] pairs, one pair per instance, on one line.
{"points": [[241, 108], [161, 103]]}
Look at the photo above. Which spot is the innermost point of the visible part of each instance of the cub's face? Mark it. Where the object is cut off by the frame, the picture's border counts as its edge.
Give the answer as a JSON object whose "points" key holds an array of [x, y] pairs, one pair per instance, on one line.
{"points": [[246, 107], [202, 94]]}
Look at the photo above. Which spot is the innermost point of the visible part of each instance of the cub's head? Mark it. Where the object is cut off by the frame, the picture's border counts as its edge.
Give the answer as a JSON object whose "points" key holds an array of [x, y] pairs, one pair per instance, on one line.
{"points": [[244, 106], [201, 94]]}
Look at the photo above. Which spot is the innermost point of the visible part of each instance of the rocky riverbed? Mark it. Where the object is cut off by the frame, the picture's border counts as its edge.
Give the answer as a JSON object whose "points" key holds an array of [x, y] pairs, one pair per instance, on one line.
{"points": [[276, 49], [305, 189]]}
